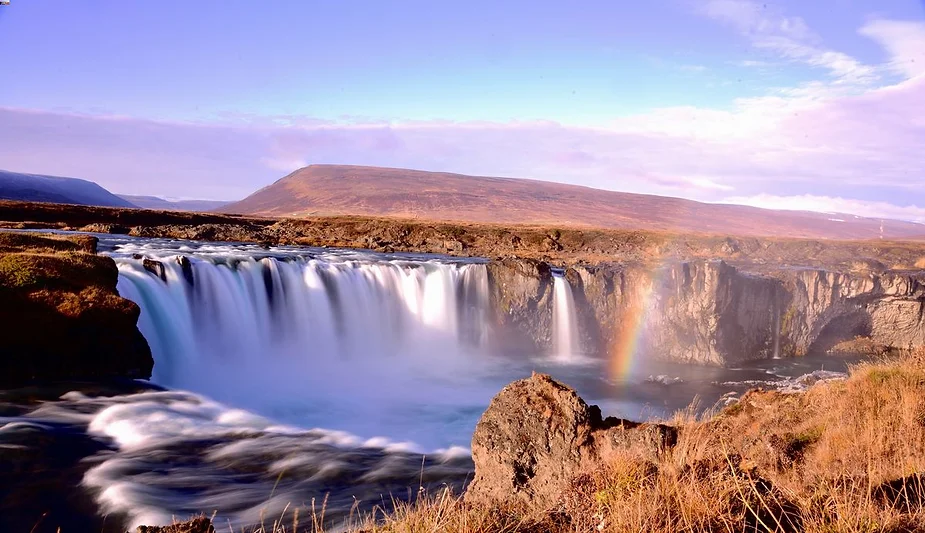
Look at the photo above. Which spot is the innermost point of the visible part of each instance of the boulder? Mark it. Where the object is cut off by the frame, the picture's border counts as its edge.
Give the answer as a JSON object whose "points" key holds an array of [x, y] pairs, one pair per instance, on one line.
{"points": [[155, 267], [537, 435]]}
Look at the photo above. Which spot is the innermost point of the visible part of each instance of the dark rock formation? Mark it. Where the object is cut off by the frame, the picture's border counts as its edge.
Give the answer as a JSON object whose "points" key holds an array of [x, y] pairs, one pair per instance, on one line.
{"points": [[710, 313], [826, 308], [155, 267], [116, 229], [713, 313], [521, 293], [62, 316], [537, 435], [196, 525], [187, 268]]}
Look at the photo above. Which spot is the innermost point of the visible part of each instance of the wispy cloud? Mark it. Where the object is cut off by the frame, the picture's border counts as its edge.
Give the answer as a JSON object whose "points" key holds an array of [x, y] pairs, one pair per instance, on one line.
{"points": [[749, 63], [693, 68], [789, 37], [832, 204], [904, 41]]}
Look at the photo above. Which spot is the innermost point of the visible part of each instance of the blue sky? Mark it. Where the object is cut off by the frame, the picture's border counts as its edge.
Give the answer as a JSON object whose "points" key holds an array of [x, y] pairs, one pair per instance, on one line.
{"points": [[782, 103]]}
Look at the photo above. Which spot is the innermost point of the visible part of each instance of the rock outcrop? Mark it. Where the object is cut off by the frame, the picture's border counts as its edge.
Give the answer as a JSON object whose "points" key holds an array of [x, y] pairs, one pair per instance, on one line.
{"points": [[62, 316], [710, 313], [521, 295], [825, 308], [196, 525], [714, 313], [538, 434]]}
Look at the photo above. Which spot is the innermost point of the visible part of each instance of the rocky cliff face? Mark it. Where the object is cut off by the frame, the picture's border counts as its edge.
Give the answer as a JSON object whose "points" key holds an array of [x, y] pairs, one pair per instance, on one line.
{"points": [[521, 293], [61, 314], [710, 312], [824, 308]]}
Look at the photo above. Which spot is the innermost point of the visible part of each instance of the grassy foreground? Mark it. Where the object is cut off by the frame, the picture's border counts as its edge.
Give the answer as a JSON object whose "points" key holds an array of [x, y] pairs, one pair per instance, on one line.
{"points": [[846, 456]]}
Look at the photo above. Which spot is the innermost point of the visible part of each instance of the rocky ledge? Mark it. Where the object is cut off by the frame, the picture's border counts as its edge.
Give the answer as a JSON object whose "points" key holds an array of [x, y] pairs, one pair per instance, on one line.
{"points": [[713, 312], [60, 300]]}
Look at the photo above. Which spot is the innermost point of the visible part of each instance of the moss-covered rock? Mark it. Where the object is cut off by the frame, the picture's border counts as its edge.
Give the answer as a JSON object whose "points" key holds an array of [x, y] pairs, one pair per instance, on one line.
{"points": [[61, 315]]}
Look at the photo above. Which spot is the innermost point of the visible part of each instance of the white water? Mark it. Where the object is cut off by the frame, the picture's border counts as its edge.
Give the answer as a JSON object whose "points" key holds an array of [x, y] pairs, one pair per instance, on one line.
{"points": [[350, 342], [565, 339]]}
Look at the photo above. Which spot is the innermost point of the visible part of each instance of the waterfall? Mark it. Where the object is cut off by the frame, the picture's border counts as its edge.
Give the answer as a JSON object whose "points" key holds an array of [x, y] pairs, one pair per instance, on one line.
{"points": [[238, 326], [776, 325], [564, 326]]}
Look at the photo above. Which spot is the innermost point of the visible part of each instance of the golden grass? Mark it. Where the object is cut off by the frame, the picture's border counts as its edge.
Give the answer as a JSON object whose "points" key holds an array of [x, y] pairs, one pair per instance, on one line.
{"points": [[844, 457]]}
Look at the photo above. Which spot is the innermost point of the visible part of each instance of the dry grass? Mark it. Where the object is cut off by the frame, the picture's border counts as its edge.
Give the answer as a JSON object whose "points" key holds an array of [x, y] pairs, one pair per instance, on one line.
{"points": [[844, 457]]}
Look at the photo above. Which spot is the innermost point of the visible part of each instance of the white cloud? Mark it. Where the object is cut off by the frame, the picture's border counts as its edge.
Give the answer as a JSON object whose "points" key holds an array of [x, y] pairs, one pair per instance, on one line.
{"points": [[284, 164], [832, 204], [757, 20], [749, 63], [790, 37], [903, 40]]}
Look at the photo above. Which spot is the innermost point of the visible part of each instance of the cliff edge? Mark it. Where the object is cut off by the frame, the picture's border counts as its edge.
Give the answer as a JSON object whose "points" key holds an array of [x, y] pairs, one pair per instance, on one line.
{"points": [[62, 316]]}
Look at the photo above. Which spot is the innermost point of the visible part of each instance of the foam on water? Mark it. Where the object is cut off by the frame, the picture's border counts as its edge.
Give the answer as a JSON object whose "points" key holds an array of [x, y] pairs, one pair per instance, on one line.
{"points": [[318, 338], [177, 453]]}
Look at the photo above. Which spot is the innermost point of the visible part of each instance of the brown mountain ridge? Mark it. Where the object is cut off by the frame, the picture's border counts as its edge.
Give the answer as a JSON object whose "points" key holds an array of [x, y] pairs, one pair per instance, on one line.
{"points": [[321, 190]]}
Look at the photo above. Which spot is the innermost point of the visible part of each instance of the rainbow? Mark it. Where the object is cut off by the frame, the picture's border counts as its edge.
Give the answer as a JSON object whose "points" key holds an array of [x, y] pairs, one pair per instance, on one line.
{"points": [[624, 350]]}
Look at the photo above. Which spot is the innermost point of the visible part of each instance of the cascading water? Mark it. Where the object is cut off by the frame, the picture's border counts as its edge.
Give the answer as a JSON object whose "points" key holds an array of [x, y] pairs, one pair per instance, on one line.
{"points": [[776, 326], [564, 327], [301, 338]]}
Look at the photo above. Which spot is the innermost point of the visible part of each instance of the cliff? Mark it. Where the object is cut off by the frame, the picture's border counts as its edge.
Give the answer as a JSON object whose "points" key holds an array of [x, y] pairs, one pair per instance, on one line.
{"points": [[697, 298], [61, 314], [711, 312]]}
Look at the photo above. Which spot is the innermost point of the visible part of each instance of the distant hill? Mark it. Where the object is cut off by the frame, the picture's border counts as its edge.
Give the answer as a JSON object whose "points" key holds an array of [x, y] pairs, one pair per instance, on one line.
{"points": [[354, 190], [156, 202], [52, 189]]}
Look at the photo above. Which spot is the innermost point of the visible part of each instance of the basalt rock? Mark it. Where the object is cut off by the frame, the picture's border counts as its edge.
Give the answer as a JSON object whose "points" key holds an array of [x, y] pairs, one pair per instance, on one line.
{"points": [[521, 296], [62, 316], [196, 525], [825, 308], [116, 229], [538, 435], [710, 313], [155, 267], [187, 266], [714, 313]]}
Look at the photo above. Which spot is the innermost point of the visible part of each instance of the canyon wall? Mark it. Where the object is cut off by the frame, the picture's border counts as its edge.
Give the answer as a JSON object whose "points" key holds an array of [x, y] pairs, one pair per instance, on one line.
{"points": [[711, 312]]}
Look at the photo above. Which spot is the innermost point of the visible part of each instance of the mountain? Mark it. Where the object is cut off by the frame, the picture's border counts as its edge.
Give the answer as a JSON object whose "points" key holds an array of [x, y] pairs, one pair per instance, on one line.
{"points": [[355, 190], [52, 189], [156, 202]]}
